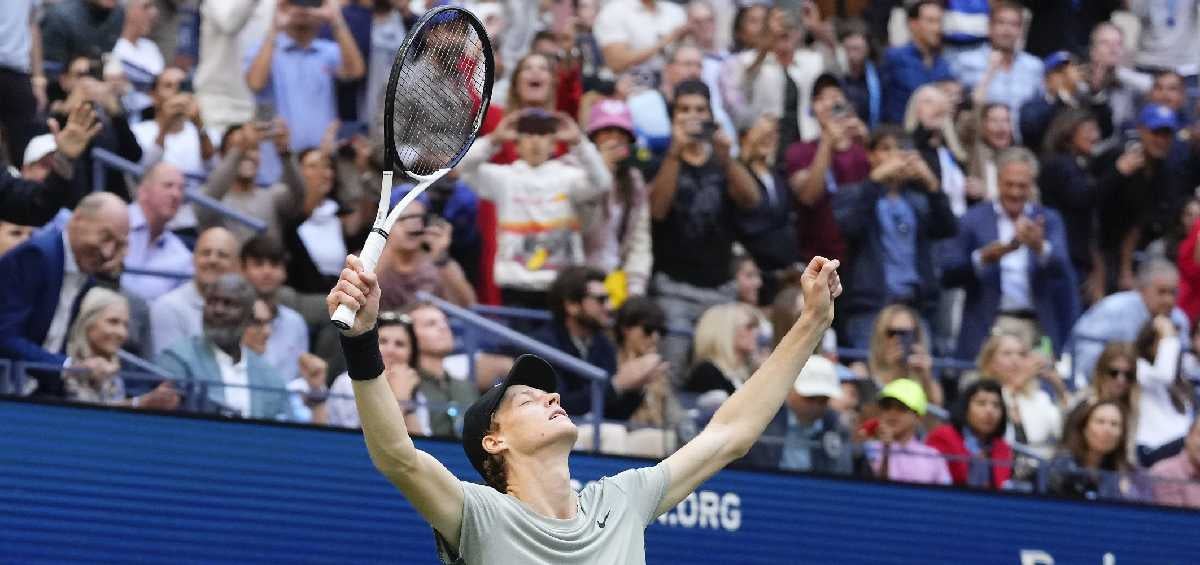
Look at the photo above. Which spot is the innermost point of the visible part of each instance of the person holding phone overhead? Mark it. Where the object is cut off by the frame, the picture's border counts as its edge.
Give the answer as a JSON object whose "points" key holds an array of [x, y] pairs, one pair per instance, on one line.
{"points": [[692, 198], [1012, 257], [538, 232], [890, 223]]}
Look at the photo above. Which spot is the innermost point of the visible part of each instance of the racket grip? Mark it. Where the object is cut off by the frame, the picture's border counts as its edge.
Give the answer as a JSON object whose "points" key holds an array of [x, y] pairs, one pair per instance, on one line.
{"points": [[343, 317]]}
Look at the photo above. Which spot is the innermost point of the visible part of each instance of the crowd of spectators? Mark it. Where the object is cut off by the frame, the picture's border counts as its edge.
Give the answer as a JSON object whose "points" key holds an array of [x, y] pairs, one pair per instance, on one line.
{"points": [[1011, 188]]}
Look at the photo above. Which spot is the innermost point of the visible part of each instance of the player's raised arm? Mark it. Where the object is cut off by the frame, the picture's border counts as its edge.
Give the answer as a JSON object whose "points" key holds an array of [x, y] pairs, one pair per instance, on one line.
{"points": [[426, 483], [741, 419]]}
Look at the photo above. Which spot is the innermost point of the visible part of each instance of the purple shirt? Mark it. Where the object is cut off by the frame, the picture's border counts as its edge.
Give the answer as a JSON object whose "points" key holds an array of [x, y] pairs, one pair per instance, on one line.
{"points": [[911, 462], [1177, 481]]}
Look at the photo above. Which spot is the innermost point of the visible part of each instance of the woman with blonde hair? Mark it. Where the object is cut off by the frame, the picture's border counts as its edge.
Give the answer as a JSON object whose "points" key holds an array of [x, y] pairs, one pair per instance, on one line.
{"points": [[724, 348], [99, 331], [930, 120], [1035, 419], [900, 349]]}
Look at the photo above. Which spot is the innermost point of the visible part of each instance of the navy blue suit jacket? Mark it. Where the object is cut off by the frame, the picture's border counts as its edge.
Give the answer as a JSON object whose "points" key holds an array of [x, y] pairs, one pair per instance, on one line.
{"points": [[31, 277], [864, 277], [575, 390], [1055, 296]]}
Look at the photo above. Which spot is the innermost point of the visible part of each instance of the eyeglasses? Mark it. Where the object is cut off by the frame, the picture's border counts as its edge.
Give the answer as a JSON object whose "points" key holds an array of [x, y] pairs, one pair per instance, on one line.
{"points": [[897, 332], [1121, 374], [602, 298]]}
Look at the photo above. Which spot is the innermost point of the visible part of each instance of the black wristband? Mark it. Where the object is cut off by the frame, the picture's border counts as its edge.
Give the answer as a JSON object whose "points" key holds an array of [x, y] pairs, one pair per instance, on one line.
{"points": [[363, 360]]}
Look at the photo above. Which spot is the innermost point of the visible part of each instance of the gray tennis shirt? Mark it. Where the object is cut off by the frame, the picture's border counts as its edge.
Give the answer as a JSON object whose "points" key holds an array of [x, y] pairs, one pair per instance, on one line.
{"points": [[609, 526]]}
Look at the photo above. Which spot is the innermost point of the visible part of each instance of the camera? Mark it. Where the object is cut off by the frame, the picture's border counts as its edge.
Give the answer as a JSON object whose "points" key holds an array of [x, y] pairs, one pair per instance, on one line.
{"points": [[706, 131], [839, 110]]}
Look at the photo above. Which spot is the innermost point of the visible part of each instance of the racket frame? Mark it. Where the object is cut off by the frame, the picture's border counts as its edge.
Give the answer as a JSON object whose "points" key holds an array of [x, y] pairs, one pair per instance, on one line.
{"points": [[372, 250]]}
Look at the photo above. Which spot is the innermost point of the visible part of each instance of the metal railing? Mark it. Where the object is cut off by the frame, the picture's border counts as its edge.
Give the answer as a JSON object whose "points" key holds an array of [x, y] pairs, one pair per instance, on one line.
{"points": [[103, 159], [474, 323]]}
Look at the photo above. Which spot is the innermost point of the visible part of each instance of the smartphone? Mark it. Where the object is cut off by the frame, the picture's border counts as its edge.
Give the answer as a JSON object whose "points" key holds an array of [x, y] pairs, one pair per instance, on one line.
{"points": [[907, 340], [839, 110], [707, 129], [347, 130], [905, 143], [306, 3]]}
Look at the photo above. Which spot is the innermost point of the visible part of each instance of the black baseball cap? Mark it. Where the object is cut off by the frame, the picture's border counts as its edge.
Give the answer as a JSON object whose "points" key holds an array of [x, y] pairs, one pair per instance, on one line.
{"points": [[528, 370]]}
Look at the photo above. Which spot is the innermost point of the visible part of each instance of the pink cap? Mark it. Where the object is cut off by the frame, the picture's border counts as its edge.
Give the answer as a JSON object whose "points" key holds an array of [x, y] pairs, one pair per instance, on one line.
{"points": [[610, 113]]}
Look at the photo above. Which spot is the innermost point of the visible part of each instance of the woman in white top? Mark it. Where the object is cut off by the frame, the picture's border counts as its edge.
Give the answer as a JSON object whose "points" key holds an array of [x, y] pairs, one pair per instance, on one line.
{"points": [[1035, 419], [1166, 406]]}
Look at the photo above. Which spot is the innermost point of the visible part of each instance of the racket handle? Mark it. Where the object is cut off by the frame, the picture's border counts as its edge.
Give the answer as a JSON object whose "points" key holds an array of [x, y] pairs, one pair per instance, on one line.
{"points": [[343, 317]]}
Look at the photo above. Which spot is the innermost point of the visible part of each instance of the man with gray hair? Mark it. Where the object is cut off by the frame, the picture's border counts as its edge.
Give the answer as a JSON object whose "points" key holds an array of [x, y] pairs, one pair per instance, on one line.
{"points": [[1120, 316], [43, 280], [233, 379], [1011, 257]]}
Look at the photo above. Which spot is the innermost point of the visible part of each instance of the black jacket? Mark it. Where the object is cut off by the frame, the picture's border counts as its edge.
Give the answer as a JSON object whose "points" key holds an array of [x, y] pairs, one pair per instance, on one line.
{"points": [[576, 390], [31, 203]]}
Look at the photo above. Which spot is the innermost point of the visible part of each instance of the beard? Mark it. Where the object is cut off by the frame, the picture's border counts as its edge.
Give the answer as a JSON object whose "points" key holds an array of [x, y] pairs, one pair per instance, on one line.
{"points": [[226, 338]]}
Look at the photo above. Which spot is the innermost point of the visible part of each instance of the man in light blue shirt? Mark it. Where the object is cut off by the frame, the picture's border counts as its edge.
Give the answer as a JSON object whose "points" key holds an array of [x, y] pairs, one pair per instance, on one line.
{"points": [[294, 71], [1120, 316], [151, 246], [998, 71]]}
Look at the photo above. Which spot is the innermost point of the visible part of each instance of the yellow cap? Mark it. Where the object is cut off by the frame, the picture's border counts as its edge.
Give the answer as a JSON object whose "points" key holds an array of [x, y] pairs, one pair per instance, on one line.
{"points": [[908, 392]]}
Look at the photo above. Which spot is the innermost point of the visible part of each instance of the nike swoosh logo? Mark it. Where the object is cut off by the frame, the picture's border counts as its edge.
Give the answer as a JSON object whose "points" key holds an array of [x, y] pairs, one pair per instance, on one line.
{"points": [[605, 521]]}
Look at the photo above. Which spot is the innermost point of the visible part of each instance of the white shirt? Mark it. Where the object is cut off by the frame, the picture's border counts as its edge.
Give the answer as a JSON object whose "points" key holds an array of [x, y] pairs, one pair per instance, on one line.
{"points": [[227, 29], [631, 23], [322, 237], [72, 283], [1016, 291], [1159, 422], [140, 61], [1040, 418], [181, 148], [236, 380]]}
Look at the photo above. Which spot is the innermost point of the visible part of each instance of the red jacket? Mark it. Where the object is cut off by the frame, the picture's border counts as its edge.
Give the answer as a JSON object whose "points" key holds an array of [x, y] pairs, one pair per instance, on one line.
{"points": [[1189, 274], [948, 441]]}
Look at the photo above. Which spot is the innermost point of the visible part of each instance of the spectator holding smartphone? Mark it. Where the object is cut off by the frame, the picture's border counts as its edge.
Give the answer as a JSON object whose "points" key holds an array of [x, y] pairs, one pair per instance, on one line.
{"points": [[890, 223], [233, 181], [692, 199], [1167, 403], [295, 70], [176, 135], [539, 228], [899, 348], [1144, 183], [1035, 419], [416, 259]]}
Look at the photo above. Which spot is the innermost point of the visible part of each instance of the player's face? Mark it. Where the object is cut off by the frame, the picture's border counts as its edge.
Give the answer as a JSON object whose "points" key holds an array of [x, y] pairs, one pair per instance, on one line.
{"points": [[531, 419]]}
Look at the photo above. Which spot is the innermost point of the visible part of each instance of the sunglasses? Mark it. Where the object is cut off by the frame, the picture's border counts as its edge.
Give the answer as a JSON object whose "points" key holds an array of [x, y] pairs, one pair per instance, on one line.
{"points": [[897, 332], [392, 317], [1121, 374], [602, 298]]}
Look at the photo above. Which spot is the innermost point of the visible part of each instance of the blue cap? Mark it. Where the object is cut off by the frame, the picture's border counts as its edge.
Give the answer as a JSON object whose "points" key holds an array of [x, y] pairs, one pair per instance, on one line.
{"points": [[1057, 59], [1157, 116]]}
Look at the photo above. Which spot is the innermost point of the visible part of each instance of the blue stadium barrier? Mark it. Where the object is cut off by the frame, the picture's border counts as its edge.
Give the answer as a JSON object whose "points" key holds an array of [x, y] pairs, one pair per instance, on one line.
{"points": [[103, 159], [113, 485], [179, 275]]}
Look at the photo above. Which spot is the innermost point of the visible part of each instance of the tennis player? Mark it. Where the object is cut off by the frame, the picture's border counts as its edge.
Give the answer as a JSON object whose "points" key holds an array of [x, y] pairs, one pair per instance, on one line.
{"points": [[518, 438]]}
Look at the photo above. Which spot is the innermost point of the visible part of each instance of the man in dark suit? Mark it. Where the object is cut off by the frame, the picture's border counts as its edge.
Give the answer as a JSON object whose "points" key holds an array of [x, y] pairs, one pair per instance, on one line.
{"points": [[43, 280], [579, 302], [1011, 256]]}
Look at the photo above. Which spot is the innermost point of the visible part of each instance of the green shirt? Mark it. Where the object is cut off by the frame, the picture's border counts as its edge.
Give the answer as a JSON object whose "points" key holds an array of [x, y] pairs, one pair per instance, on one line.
{"points": [[439, 393]]}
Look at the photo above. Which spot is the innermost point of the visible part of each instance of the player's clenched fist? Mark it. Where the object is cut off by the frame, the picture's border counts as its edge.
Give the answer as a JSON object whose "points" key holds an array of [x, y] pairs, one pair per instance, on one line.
{"points": [[358, 290]]}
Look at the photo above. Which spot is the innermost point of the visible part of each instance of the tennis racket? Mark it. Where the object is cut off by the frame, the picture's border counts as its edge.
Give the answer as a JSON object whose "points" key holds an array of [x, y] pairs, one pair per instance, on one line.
{"points": [[436, 98]]}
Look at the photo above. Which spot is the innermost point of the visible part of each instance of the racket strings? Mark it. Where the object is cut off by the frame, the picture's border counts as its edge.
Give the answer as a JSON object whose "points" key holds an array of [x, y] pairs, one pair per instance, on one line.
{"points": [[438, 95]]}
